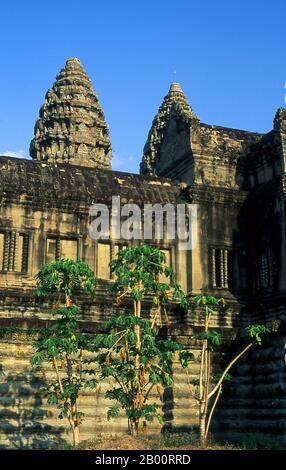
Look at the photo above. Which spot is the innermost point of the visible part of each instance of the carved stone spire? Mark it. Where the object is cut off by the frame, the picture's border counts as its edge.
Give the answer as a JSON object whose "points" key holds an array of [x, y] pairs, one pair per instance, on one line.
{"points": [[71, 127], [279, 123], [174, 103]]}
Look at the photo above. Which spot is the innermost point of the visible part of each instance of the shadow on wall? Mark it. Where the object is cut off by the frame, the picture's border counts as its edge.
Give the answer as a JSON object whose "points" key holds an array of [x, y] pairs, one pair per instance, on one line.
{"points": [[22, 416], [253, 401]]}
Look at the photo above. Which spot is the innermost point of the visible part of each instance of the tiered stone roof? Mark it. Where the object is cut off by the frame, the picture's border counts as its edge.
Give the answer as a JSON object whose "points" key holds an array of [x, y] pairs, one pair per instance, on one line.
{"points": [[71, 126], [174, 102], [41, 185], [181, 147]]}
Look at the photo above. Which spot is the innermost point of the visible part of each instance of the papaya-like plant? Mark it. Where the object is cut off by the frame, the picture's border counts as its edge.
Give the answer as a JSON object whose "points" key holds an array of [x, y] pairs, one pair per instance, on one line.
{"points": [[62, 344], [208, 388], [131, 351]]}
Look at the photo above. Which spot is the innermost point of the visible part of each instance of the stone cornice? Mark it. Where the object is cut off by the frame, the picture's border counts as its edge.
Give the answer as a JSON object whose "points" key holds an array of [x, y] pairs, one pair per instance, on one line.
{"points": [[214, 195], [66, 187]]}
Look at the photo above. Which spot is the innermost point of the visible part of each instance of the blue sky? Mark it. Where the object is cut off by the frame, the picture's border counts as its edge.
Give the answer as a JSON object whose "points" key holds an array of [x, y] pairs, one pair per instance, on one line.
{"points": [[230, 58]]}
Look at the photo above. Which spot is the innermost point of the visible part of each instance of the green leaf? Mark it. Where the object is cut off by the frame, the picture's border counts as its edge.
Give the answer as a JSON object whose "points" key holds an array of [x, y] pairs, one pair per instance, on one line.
{"points": [[185, 357], [113, 412], [213, 337], [161, 419], [256, 332]]}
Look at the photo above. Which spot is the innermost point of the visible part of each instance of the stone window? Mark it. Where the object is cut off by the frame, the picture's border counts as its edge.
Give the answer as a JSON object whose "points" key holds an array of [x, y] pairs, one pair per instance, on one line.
{"points": [[53, 250], [105, 253], [108, 251], [14, 251], [118, 247], [61, 248], [266, 269], [103, 260], [221, 267], [69, 249]]}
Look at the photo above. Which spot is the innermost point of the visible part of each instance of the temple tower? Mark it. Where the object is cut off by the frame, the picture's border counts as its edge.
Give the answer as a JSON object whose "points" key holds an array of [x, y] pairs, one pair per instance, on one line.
{"points": [[175, 105], [71, 127]]}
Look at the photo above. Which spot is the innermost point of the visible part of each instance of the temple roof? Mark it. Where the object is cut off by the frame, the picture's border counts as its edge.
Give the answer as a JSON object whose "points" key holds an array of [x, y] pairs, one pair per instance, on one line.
{"points": [[166, 146], [45, 185], [174, 102], [71, 126]]}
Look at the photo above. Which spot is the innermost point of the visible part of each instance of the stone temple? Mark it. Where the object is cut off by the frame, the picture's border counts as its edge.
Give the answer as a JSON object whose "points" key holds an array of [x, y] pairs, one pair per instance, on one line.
{"points": [[238, 181]]}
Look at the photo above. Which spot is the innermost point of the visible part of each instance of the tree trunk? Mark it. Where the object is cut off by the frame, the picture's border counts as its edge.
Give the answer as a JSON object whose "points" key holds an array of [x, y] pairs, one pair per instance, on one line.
{"points": [[134, 426], [76, 435], [202, 424], [69, 301], [204, 386], [137, 307]]}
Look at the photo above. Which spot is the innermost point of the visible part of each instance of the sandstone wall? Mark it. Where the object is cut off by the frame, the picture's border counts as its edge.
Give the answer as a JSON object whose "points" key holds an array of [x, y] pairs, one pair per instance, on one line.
{"points": [[25, 418], [27, 421]]}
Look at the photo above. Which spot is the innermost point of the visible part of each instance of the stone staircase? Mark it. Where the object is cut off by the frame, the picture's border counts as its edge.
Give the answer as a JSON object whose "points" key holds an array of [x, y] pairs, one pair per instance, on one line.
{"points": [[255, 399]]}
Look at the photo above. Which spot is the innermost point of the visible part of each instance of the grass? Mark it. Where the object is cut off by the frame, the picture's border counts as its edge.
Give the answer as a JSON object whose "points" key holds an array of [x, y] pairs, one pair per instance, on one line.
{"points": [[259, 441], [164, 441], [176, 440], [169, 439]]}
